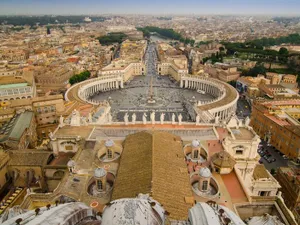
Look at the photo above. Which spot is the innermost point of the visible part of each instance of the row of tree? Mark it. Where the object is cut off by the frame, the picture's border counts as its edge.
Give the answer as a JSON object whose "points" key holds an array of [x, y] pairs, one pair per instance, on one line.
{"points": [[112, 38], [167, 33], [79, 77], [257, 46]]}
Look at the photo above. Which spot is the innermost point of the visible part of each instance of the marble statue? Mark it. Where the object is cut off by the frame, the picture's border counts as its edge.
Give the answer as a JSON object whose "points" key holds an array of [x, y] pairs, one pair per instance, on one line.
{"points": [[180, 119], [152, 117], [51, 135], [133, 117], [247, 121], [162, 118], [28, 191], [75, 118], [197, 119], [126, 118], [144, 118], [217, 120], [173, 118], [61, 121]]}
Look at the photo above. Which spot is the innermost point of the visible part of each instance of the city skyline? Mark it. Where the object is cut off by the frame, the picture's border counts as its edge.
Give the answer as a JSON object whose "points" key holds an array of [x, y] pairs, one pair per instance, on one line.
{"points": [[94, 7]]}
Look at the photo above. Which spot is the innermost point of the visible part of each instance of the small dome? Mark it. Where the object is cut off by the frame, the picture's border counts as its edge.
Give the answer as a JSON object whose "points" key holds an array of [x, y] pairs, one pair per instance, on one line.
{"points": [[71, 163], [195, 143], [99, 172], [205, 172], [109, 143]]}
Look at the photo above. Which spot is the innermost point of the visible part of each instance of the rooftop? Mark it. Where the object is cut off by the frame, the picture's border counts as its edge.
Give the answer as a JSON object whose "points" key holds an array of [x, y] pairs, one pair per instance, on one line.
{"points": [[14, 129], [243, 134], [11, 80], [154, 163], [29, 157], [260, 172]]}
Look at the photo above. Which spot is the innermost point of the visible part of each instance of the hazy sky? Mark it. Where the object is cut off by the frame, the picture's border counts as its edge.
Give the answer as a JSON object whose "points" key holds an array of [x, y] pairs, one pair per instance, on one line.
{"points": [[262, 7]]}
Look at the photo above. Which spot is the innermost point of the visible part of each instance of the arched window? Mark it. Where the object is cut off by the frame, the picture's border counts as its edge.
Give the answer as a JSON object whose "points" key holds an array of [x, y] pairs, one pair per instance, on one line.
{"points": [[109, 153], [204, 185], [196, 154], [99, 184]]}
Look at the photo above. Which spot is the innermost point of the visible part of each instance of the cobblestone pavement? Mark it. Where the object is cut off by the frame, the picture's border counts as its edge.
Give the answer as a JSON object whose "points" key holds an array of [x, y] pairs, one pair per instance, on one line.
{"points": [[169, 97]]}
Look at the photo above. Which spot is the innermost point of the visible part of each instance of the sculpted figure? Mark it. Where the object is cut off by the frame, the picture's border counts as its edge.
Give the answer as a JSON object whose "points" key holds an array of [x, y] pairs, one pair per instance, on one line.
{"points": [[180, 119], [144, 118], [152, 117], [173, 118], [162, 118], [133, 117], [126, 118], [197, 119]]}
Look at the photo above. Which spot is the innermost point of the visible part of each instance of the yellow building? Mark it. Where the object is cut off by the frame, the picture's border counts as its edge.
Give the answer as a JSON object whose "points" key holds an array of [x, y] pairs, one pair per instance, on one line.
{"points": [[278, 123]]}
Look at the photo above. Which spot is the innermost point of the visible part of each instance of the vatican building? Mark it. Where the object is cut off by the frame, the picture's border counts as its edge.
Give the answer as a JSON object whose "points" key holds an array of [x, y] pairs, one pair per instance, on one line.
{"points": [[147, 143]]}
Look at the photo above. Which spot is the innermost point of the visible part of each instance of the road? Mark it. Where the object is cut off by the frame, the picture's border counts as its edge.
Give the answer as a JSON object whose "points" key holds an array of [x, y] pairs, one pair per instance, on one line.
{"points": [[243, 109], [280, 162]]}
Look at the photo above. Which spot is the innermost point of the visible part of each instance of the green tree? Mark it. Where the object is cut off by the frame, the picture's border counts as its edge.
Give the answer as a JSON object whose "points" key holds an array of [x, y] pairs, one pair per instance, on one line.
{"points": [[283, 51]]}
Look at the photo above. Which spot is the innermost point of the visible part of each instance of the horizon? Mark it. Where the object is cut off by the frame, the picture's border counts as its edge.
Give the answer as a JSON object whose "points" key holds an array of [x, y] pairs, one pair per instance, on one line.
{"points": [[155, 7]]}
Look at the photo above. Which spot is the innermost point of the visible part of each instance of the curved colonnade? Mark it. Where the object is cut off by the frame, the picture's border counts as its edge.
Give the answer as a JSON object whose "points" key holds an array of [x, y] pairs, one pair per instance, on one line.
{"points": [[99, 84], [221, 108]]}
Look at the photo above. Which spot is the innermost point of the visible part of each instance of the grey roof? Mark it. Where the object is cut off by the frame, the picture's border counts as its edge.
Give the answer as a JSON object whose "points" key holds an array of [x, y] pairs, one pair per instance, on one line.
{"points": [[14, 129]]}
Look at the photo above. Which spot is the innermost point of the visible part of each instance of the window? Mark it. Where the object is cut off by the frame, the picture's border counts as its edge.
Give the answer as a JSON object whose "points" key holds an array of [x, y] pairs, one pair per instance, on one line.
{"points": [[239, 152], [196, 154], [69, 147], [109, 154], [99, 185], [204, 185]]}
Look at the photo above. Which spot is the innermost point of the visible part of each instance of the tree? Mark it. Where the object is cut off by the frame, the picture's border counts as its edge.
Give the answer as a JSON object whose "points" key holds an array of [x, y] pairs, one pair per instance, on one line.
{"points": [[192, 42], [283, 51], [222, 49], [232, 83], [79, 77], [48, 30], [273, 171], [253, 72]]}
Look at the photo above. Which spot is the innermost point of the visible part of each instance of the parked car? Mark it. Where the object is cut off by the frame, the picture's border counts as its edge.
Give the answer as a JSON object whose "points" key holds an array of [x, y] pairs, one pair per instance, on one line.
{"points": [[285, 157], [270, 160]]}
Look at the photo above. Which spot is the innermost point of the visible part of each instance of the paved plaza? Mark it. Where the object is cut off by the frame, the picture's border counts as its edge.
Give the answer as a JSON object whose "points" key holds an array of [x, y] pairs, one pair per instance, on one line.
{"points": [[169, 97]]}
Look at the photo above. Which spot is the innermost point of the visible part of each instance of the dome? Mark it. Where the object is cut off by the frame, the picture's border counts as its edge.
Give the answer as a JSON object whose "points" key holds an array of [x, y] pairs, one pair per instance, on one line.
{"points": [[204, 214], [205, 172], [109, 143], [140, 210], [265, 219], [71, 163], [99, 172], [195, 143]]}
